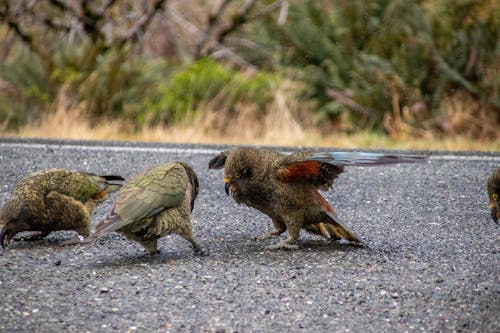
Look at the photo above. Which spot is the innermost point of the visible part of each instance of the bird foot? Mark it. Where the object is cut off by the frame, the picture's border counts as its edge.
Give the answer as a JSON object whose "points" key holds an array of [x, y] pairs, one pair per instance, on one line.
{"points": [[268, 235], [73, 241], [197, 248], [201, 252], [282, 246], [152, 252]]}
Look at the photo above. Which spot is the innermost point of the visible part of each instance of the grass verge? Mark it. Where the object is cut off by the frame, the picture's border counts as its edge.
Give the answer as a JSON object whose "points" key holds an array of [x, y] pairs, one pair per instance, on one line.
{"points": [[276, 128]]}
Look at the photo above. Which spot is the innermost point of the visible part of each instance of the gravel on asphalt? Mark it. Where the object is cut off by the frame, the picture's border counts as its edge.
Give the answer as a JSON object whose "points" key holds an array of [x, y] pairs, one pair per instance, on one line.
{"points": [[430, 260]]}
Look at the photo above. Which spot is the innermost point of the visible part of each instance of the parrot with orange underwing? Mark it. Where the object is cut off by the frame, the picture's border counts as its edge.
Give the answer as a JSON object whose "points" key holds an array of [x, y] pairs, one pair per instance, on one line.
{"points": [[286, 187], [493, 186], [55, 199], [153, 204]]}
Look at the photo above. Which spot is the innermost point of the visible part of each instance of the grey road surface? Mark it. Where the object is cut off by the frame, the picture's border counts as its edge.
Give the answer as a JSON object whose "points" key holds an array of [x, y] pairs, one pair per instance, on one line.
{"points": [[430, 264]]}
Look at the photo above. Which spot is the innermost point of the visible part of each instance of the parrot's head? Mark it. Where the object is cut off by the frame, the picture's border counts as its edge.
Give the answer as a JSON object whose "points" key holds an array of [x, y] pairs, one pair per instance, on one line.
{"points": [[5, 235], [237, 171], [12, 221], [494, 195]]}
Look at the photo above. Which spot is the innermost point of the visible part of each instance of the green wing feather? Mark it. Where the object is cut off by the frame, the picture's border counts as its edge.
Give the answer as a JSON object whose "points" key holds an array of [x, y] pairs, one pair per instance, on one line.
{"points": [[151, 192], [144, 196]]}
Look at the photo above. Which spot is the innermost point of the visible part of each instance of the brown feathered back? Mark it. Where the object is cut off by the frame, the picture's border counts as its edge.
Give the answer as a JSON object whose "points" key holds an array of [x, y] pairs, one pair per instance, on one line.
{"points": [[55, 199]]}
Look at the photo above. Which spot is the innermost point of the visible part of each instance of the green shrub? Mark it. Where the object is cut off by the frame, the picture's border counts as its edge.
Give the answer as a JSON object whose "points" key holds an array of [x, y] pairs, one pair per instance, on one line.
{"points": [[24, 94], [118, 85], [206, 82], [106, 86], [387, 52]]}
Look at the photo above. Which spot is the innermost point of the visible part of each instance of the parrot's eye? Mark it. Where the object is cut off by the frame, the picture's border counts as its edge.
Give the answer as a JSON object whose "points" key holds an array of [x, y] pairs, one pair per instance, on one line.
{"points": [[237, 175], [494, 197]]}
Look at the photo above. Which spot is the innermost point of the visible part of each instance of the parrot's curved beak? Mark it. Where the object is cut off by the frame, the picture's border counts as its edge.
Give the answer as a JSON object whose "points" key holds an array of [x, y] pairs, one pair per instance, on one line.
{"points": [[4, 237], [227, 185], [495, 212]]}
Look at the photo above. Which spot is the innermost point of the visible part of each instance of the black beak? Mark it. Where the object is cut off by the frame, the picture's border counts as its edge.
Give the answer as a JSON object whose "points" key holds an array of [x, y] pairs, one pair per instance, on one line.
{"points": [[227, 185], [3, 237]]}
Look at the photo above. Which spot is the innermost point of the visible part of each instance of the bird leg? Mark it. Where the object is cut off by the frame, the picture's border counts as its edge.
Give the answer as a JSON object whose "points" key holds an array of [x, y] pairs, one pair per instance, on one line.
{"points": [[287, 244], [198, 250], [280, 228]]}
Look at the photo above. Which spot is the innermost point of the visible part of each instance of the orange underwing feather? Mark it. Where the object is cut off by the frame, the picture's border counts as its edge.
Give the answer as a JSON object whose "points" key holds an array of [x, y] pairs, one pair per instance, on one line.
{"points": [[99, 195], [300, 171]]}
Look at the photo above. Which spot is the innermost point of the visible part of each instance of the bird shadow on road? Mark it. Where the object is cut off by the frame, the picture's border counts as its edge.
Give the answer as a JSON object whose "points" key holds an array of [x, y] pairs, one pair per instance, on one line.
{"points": [[19, 243], [244, 246], [331, 246], [138, 258], [32, 239]]}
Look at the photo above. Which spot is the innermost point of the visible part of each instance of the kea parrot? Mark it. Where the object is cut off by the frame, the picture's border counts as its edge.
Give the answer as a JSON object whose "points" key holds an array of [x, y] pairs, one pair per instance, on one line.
{"points": [[55, 199], [285, 187], [153, 204], [493, 185]]}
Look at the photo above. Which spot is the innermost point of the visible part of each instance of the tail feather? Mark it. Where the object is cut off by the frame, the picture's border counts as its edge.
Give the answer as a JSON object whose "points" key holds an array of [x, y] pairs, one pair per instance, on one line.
{"points": [[322, 229], [218, 161], [363, 158], [114, 180], [110, 223], [113, 177], [339, 230]]}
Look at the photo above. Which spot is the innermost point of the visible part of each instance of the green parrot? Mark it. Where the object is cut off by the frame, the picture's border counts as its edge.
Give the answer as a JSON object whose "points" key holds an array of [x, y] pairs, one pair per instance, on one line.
{"points": [[493, 185], [153, 204], [55, 199]]}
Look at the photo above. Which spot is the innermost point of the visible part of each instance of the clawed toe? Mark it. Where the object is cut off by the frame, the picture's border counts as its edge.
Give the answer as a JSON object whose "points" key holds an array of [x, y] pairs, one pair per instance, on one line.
{"points": [[282, 246], [268, 235], [201, 252], [152, 252]]}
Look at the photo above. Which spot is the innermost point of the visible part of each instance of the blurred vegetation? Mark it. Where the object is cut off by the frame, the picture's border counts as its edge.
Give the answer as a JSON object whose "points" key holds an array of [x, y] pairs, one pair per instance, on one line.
{"points": [[420, 68], [204, 81]]}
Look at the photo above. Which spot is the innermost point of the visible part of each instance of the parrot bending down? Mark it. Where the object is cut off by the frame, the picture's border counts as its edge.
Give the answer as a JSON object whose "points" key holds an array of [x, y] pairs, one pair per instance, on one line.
{"points": [[153, 204], [285, 187], [493, 185], [54, 199]]}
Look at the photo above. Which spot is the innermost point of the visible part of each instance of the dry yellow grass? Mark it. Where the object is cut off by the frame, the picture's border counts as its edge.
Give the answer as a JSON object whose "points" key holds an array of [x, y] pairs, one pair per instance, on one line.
{"points": [[276, 129]]}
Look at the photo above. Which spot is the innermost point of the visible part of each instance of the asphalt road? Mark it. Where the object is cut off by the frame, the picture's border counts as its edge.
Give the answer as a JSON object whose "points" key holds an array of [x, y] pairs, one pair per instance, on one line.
{"points": [[431, 260]]}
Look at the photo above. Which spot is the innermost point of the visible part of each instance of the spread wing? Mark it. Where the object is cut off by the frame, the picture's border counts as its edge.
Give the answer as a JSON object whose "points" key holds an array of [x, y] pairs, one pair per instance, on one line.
{"points": [[321, 169], [346, 158]]}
